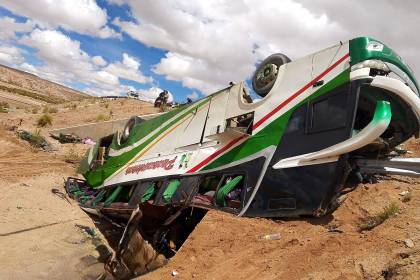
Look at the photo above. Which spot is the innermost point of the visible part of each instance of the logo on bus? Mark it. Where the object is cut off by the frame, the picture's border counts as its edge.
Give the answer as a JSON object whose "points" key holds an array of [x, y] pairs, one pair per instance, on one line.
{"points": [[166, 164]]}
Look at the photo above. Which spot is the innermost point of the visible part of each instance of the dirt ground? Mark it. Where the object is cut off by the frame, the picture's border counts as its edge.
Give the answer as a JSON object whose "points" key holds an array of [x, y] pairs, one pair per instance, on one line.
{"points": [[39, 238], [228, 247], [42, 235]]}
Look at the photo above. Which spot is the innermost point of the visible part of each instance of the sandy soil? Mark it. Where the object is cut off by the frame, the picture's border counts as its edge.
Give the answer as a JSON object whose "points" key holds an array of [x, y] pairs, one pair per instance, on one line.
{"points": [[15, 100], [40, 232], [39, 238], [40, 235]]}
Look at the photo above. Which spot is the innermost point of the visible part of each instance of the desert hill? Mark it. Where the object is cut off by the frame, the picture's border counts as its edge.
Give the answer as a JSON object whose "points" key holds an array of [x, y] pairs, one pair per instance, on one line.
{"points": [[23, 89]]}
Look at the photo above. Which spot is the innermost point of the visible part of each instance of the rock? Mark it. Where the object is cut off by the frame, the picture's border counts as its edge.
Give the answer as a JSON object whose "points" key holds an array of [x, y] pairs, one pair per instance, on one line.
{"points": [[274, 236], [409, 243], [404, 193], [174, 273]]}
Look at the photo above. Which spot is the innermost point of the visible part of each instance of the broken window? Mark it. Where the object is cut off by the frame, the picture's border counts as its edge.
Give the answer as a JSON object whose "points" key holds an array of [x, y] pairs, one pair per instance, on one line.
{"points": [[166, 192], [103, 150], [120, 193], [221, 191], [229, 194], [188, 186], [207, 190], [151, 192], [242, 123]]}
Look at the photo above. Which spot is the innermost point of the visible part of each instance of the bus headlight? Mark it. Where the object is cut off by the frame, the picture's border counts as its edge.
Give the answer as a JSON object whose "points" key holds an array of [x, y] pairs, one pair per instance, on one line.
{"points": [[372, 63]]}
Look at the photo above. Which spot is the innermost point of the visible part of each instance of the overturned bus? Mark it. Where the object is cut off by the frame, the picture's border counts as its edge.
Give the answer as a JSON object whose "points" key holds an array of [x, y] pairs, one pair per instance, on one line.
{"points": [[320, 118]]}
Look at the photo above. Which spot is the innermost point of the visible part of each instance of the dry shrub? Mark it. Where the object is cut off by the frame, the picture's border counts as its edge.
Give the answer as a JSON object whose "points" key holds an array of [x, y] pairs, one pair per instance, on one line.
{"points": [[104, 104], [35, 139], [50, 110], [374, 221], [102, 117], [53, 110], [44, 120], [4, 106]]}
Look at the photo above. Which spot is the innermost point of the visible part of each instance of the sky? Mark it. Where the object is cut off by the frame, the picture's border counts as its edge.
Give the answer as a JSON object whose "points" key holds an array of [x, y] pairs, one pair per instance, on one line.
{"points": [[190, 48]]}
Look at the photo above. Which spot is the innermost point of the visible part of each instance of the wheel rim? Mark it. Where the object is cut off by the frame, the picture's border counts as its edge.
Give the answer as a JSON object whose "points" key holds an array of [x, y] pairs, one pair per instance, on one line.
{"points": [[266, 75]]}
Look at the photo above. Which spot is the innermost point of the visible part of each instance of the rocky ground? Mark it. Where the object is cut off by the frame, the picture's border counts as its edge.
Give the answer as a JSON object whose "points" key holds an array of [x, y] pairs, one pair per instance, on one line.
{"points": [[44, 236]]}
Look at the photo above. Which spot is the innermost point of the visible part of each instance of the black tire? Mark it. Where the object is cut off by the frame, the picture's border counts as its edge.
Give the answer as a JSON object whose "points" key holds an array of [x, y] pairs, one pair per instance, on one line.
{"points": [[133, 121], [266, 74]]}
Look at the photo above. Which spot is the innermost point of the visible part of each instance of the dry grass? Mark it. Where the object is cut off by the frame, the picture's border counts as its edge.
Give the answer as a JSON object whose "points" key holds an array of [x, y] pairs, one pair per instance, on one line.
{"points": [[374, 221], [23, 92], [164, 108], [71, 106], [4, 106], [37, 139], [53, 110], [102, 117], [50, 110], [104, 104], [34, 138], [44, 120]]}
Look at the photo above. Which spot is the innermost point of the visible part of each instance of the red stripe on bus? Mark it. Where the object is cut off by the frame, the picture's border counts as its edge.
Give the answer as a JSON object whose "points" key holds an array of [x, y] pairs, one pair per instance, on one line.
{"points": [[299, 92], [266, 117], [215, 154]]}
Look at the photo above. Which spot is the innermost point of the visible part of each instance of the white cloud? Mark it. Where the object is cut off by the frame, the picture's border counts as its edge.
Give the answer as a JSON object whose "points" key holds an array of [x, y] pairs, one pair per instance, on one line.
{"points": [[82, 16], [9, 27], [62, 56], [390, 22], [128, 69], [212, 43], [107, 32], [193, 95], [151, 94], [97, 91], [116, 2], [10, 55], [148, 95], [99, 60], [193, 73], [29, 68], [64, 62]]}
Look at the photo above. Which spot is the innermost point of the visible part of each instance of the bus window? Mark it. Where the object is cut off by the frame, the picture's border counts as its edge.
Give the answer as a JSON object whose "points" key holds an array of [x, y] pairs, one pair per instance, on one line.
{"points": [[207, 190], [230, 192]]}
